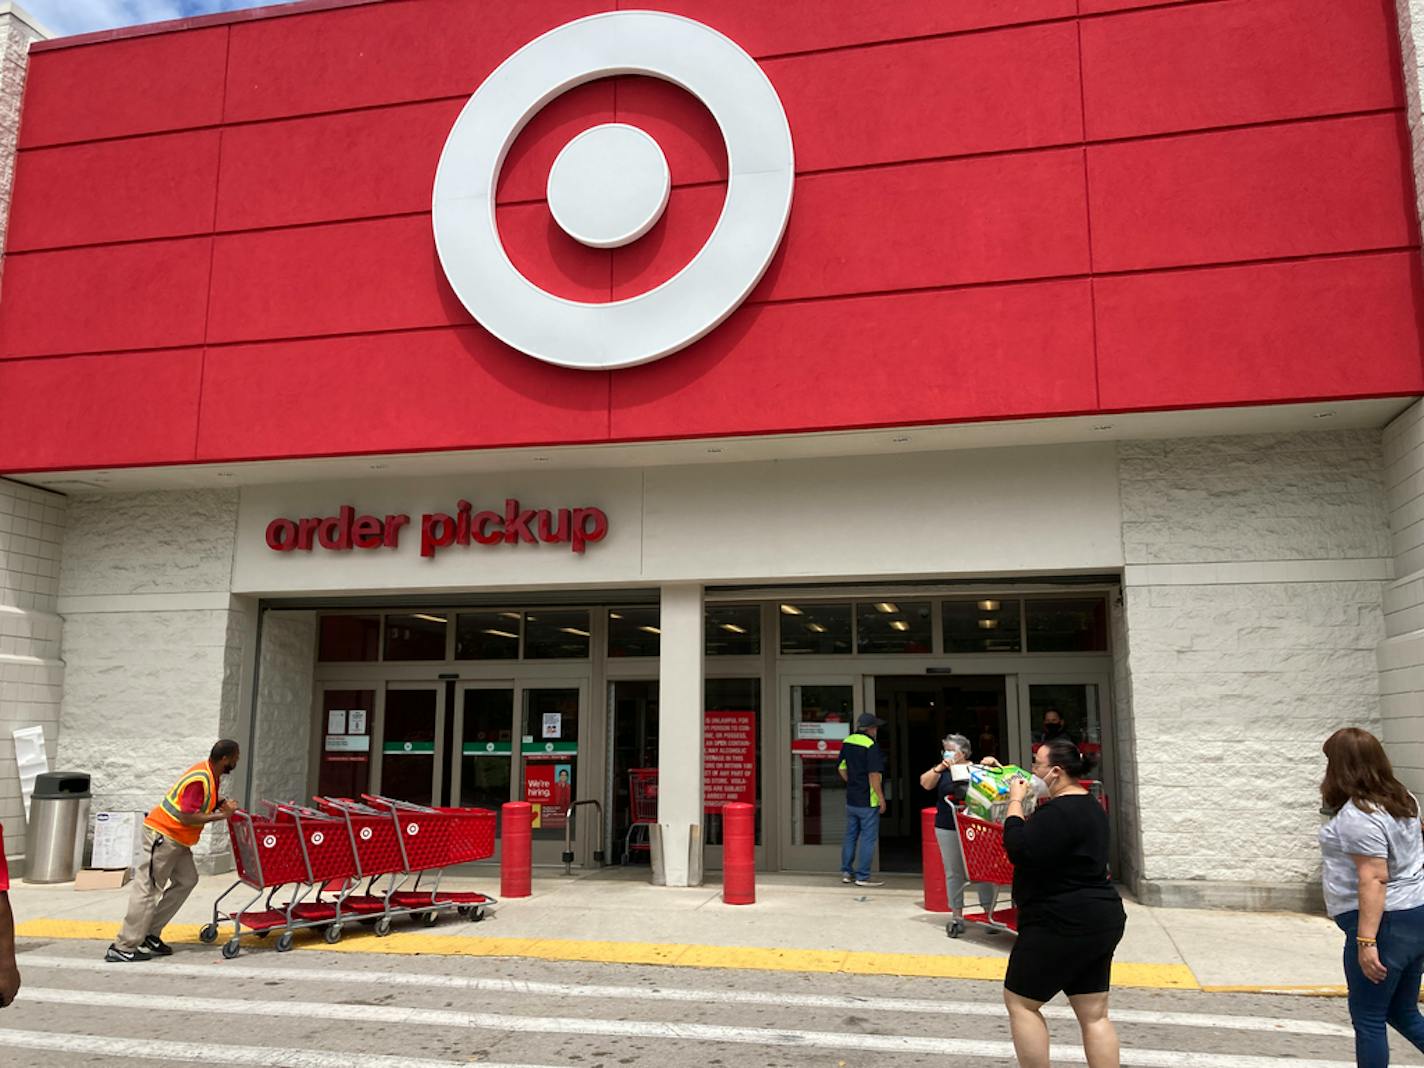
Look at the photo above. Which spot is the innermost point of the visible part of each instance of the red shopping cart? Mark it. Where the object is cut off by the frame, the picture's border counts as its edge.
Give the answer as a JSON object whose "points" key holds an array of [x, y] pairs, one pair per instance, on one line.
{"points": [[986, 862], [289, 847], [643, 809], [431, 839]]}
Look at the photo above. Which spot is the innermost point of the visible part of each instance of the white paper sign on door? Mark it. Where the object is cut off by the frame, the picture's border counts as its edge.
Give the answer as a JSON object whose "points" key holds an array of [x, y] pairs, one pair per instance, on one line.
{"points": [[336, 721], [553, 724], [356, 721]]}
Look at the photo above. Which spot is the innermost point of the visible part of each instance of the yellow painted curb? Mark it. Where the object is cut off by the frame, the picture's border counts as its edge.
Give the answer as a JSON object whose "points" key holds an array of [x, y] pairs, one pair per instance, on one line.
{"points": [[751, 958]]}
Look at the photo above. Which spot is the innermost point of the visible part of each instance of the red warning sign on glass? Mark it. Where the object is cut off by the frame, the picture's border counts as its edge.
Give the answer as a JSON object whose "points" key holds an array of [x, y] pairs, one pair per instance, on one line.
{"points": [[729, 759]]}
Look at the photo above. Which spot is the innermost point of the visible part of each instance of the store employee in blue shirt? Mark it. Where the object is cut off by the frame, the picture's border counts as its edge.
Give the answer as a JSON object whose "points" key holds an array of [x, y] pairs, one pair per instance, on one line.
{"points": [[862, 767]]}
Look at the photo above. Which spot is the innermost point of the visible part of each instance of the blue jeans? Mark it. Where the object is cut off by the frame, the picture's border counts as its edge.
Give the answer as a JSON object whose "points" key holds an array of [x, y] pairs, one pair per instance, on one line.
{"points": [[1395, 1001], [862, 832]]}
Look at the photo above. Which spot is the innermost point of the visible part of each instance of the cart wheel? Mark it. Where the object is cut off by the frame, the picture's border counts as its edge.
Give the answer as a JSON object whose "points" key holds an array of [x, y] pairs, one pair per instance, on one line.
{"points": [[332, 934], [477, 914], [209, 934], [231, 948], [284, 941], [430, 918], [383, 927], [464, 910]]}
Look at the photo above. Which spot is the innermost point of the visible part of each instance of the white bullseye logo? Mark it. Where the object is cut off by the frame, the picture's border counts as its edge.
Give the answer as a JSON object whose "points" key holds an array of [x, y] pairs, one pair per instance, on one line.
{"points": [[318, 838], [270, 841], [412, 829], [610, 185], [365, 834]]}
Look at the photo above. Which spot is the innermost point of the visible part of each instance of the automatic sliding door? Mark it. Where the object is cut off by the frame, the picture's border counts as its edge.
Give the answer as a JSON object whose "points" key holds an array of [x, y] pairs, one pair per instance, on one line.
{"points": [[550, 750], [482, 768], [412, 747], [817, 713]]}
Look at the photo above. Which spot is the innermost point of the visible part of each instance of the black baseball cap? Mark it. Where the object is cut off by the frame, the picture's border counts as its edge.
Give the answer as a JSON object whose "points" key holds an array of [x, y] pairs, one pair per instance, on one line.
{"points": [[868, 719]]}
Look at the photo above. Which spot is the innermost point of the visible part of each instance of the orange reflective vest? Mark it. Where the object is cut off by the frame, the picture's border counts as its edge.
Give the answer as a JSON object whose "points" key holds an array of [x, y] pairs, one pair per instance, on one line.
{"points": [[164, 817]]}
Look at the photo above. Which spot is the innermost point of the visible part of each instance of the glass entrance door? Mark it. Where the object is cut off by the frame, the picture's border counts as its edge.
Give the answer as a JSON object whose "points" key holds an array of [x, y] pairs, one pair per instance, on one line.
{"points": [[817, 713], [550, 751], [482, 764], [412, 733]]}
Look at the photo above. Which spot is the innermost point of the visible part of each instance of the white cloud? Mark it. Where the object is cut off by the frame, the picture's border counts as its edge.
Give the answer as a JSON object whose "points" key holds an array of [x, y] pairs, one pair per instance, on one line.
{"points": [[84, 16]]}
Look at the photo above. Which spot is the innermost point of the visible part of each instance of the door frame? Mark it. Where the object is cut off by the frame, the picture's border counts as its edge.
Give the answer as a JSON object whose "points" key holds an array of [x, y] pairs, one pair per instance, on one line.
{"points": [[824, 857]]}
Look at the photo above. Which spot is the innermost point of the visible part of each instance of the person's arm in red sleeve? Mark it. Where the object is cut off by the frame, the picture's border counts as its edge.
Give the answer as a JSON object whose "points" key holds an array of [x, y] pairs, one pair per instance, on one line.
{"points": [[9, 970], [190, 808]]}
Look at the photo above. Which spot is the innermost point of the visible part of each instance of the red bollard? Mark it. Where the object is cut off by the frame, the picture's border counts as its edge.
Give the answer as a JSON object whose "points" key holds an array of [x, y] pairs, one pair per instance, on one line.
{"points": [[739, 853], [516, 860], [936, 892]]}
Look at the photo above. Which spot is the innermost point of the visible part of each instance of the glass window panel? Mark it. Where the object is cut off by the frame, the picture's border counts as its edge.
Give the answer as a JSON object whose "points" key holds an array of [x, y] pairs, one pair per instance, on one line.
{"points": [[408, 746], [556, 634], [733, 630], [349, 638], [813, 627], [486, 749], [487, 635], [985, 625], [420, 636], [894, 627], [633, 632], [550, 758], [635, 756], [346, 758], [821, 717], [1063, 625]]}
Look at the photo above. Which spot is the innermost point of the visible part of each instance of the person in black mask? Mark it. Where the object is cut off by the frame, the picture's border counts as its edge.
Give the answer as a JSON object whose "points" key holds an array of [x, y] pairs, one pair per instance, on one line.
{"points": [[1052, 728]]}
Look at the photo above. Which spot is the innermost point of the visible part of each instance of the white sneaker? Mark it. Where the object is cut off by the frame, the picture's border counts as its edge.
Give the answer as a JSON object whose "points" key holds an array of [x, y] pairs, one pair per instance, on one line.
{"points": [[868, 882], [847, 879]]}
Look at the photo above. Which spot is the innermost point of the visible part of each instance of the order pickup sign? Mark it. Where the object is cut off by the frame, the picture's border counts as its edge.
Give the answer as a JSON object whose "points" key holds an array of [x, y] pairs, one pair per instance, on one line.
{"points": [[729, 759]]}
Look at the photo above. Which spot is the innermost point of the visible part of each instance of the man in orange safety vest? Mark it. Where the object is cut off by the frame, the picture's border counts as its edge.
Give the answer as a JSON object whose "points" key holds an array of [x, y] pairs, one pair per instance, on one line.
{"points": [[166, 874]]}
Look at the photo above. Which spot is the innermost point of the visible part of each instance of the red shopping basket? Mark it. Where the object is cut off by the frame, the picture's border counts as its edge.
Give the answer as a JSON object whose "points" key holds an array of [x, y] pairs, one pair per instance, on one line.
{"points": [[266, 851]]}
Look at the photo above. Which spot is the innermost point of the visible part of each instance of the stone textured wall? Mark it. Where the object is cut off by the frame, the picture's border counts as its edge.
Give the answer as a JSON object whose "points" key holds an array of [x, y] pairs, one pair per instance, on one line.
{"points": [[17, 30], [284, 706], [153, 643], [1255, 571], [31, 672], [1401, 653]]}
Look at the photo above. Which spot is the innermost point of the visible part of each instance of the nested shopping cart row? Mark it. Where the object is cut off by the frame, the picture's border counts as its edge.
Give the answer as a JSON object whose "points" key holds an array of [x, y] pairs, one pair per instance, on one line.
{"points": [[349, 861]]}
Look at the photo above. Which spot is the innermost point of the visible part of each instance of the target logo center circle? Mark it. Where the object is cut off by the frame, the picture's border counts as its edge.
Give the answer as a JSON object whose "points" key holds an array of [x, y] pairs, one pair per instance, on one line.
{"points": [[720, 275], [609, 185]]}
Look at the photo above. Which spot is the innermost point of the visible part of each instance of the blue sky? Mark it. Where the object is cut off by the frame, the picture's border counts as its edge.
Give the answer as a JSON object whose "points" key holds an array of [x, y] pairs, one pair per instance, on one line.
{"points": [[64, 17]]}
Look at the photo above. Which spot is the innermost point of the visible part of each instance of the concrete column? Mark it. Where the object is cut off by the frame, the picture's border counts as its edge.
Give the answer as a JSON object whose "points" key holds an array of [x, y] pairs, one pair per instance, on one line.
{"points": [[677, 854]]}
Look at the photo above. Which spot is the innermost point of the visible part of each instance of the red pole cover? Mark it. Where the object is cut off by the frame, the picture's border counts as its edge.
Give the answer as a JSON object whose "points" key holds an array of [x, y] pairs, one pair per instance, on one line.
{"points": [[936, 893], [516, 858], [739, 853]]}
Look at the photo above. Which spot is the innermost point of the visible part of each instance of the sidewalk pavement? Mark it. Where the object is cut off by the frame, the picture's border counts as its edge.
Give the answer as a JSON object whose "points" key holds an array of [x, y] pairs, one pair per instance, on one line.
{"points": [[799, 923]]}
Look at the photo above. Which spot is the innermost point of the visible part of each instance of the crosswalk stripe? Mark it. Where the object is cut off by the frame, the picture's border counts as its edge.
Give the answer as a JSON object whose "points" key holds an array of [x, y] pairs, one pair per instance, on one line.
{"points": [[647, 1029], [1212, 1021], [216, 1052]]}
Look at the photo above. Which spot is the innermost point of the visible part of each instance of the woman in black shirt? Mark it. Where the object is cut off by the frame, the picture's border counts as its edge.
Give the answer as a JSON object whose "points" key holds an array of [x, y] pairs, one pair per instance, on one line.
{"points": [[1070, 915]]}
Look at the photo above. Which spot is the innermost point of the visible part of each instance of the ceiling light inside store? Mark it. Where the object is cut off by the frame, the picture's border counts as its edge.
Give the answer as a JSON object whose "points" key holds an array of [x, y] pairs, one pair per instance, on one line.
{"points": [[791, 610], [988, 606], [509, 615], [650, 630], [899, 624], [988, 624], [429, 619], [500, 633], [732, 628], [886, 607], [614, 615], [574, 631], [815, 628]]}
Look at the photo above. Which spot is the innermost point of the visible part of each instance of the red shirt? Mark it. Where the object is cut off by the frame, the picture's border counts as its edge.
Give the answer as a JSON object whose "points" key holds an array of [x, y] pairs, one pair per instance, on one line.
{"points": [[192, 799], [4, 870]]}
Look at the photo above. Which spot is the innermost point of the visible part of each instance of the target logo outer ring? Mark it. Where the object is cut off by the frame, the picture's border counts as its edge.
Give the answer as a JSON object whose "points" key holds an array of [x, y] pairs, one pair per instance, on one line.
{"points": [[761, 175]]}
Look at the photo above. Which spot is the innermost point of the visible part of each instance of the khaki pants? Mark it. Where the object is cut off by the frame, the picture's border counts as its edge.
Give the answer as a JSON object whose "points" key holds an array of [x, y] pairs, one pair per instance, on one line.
{"points": [[166, 876]]}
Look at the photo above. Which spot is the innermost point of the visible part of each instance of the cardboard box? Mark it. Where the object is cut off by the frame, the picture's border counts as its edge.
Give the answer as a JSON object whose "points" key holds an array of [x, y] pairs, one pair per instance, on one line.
{"points": [[100, 879], [117, 837]]}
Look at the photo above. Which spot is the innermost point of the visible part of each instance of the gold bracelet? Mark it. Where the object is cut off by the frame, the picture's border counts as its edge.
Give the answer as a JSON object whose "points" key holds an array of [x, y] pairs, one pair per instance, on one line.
{"points": [[1366, 941]]}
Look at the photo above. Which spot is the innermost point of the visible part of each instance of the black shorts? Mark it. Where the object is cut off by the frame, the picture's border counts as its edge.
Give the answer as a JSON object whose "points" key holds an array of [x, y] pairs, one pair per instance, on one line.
{"points": [[1045, 961]]}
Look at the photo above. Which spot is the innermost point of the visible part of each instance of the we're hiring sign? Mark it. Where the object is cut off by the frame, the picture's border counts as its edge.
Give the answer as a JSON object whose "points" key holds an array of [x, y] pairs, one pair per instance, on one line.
{"points": [[346, 531]]}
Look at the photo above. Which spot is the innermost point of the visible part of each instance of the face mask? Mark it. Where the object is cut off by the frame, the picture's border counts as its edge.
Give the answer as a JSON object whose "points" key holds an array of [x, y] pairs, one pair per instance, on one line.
{"points": [[1052, 729], [950, 756]]}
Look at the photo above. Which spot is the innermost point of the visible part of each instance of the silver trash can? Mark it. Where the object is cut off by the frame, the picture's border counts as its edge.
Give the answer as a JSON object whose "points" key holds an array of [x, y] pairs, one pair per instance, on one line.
{"points": [[59, 816]]}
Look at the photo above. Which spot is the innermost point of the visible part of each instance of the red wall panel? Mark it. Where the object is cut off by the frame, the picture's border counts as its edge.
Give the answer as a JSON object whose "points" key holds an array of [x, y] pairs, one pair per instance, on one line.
{"points": [[117, 410], [381, 53], [128, 86], [981, 93], [978, 353], [1237, 61], [767, 29], [936, 266], [127, 190], [343, 396], [343, 278], [1252, 334], [1307, 188], [113, 297]]}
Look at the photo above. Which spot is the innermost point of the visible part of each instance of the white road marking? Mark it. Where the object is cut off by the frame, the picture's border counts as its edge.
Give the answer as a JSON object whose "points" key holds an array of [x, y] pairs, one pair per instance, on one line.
{"points": [[105, 1047], [1209, 1021], [176, 1005]]}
